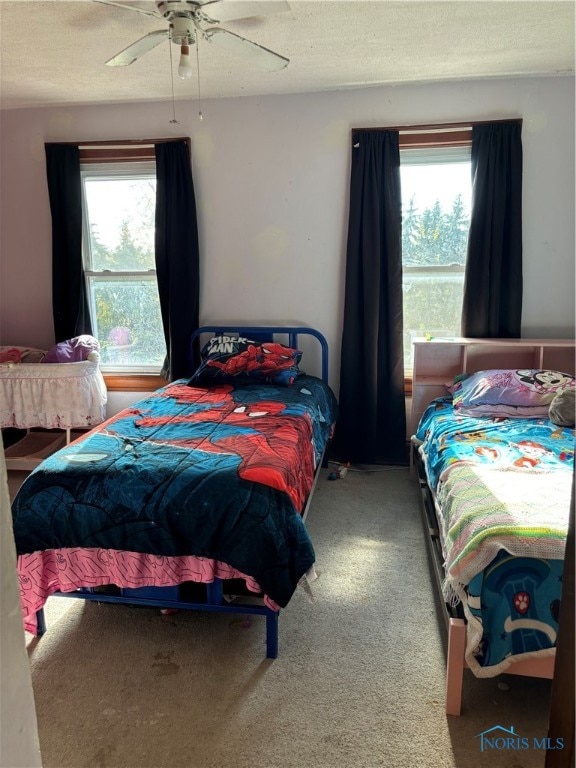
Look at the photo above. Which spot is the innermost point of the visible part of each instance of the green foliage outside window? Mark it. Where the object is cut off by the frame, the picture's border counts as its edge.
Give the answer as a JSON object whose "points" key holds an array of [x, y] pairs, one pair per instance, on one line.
{"points": [[434, 244], [128, 320], [435, 237]]}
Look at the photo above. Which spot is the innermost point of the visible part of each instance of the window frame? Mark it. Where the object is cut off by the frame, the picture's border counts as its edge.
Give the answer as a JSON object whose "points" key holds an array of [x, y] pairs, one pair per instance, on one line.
{"points": [[134, 169], [125, 151]]}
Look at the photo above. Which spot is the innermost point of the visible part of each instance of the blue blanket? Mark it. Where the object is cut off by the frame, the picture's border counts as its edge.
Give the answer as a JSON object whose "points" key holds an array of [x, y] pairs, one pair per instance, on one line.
{"points": [[502, 488]]}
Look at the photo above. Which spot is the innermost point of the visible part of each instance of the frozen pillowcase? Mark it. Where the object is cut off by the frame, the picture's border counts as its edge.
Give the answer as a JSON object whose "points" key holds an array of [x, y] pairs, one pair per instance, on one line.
{"points": [[226, 358], [74, 350], [513, 393]]}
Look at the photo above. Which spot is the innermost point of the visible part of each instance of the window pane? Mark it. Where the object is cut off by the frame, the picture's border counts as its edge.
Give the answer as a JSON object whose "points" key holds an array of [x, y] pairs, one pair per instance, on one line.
{"points": [[120, 222], [436, 201], [128, 322], [432, 304], [119, 214]]}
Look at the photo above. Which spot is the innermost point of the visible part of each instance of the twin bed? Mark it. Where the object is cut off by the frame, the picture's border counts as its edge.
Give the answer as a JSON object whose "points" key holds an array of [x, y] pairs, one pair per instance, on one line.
{"points": [[192, 498], [496, 476]]}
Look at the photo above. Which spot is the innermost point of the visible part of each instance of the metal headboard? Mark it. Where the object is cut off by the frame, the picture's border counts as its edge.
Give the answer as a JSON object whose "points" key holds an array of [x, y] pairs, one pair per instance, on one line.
{"points": [[263, 332]]}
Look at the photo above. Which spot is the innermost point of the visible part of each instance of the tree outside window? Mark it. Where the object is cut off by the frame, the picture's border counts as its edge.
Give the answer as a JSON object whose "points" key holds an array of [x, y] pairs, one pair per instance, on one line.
{"points": [[436, 198], [119, 206]]}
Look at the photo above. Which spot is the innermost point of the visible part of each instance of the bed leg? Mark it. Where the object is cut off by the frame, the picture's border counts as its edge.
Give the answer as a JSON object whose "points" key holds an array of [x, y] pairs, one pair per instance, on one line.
{"points": [[40, 622], [455, 666], [215, 592], [272, 635]]}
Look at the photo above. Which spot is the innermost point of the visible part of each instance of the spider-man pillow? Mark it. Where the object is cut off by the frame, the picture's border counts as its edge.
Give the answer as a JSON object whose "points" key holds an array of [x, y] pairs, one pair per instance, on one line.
{"points": [[226, 358]]}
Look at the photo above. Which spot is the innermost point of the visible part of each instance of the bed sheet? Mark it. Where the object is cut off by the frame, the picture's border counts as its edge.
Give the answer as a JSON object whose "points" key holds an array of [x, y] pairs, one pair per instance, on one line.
{"points": [[220, 473], [43, 573], [502, 493]]}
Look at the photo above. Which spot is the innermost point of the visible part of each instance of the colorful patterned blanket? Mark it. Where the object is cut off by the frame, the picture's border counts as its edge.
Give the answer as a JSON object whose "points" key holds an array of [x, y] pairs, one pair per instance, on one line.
{"points": [[502, 491], [220, 473], [500, 483]]}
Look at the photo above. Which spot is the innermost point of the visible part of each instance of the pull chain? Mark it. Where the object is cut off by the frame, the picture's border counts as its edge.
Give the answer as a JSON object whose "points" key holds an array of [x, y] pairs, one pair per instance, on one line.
{"points": [[200, 115], [173, 121]]}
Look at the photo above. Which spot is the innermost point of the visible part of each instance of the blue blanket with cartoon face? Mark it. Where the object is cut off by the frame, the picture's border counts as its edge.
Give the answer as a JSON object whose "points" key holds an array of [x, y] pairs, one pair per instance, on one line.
{"points": [[503, 490], [499, 442]]}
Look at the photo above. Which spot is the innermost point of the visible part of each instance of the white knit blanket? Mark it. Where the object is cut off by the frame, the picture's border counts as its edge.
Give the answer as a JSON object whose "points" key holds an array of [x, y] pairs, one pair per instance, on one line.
{"points": [[487, 509]]}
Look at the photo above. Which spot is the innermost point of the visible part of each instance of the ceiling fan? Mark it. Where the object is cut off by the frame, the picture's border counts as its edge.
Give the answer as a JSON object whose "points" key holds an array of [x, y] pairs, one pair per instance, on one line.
{"points": [[189, 19]]}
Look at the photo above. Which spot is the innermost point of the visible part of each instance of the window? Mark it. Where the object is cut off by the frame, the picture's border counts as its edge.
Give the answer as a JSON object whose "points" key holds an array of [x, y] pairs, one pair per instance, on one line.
{"points": [[119, 266], [436, 200]]}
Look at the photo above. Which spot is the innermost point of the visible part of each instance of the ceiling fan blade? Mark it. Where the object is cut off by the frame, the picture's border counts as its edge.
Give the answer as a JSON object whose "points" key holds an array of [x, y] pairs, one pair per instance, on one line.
{"points": [[137, 49], [129, 8], [230, 10], [261, 56]]}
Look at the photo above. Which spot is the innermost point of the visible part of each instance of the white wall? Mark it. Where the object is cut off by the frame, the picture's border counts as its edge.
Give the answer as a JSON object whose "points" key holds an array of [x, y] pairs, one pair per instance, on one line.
{"points": [[271, 177]]}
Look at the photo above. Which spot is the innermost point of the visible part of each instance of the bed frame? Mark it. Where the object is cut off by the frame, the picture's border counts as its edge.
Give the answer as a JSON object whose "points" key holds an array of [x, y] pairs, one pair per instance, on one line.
{"points": [[436, 362], [213, 596]]}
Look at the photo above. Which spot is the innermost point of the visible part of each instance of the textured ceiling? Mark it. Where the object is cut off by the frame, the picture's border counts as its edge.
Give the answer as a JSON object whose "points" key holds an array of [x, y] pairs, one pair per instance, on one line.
{"points": [[53, 51]]}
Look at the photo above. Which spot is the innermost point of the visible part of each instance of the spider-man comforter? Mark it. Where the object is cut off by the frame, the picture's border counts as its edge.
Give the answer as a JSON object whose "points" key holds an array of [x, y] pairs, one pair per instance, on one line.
{"points": [[220, 473]]}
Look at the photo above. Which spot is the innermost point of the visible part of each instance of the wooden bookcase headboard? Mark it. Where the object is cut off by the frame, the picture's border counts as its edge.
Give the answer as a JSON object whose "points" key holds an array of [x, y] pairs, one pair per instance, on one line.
{"points": [[437, 361]]}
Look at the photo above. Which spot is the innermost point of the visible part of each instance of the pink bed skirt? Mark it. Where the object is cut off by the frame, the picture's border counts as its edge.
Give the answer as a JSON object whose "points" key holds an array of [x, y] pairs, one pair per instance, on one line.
{"points": [[65, 570]]}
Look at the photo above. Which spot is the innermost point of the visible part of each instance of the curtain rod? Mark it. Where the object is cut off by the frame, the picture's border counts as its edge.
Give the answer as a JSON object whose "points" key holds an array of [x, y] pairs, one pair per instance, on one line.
{"points": [[114, 143], [439, 126], [129, 142]]}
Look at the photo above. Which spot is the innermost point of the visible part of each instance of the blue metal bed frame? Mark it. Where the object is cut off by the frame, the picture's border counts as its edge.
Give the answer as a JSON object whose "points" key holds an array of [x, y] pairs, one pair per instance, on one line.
{"points": [[168, 597]]}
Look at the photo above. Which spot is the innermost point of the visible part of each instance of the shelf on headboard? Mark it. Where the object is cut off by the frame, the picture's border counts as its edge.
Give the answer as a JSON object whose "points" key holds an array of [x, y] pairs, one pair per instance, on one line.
{"points": [[437, 361]]}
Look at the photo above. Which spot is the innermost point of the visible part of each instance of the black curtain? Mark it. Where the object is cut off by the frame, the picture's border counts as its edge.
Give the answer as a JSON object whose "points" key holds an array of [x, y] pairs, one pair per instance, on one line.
{"points": [[372, 424], [492, 304], [177, 255], [69, 300]]}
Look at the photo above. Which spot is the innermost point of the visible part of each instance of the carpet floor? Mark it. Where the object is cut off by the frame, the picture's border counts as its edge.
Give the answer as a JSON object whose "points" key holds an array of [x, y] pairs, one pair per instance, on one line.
{"points": [[358, 683]]}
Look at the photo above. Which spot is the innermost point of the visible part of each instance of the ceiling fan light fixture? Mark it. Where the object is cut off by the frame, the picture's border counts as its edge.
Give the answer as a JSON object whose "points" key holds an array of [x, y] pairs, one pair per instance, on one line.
{"points": [[185, 26], [185, 65]]}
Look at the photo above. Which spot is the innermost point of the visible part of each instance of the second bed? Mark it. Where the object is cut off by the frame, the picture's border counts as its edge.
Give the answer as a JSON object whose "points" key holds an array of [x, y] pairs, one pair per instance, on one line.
{"points": [[496, 475]]}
